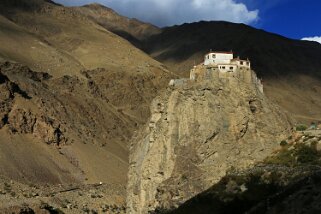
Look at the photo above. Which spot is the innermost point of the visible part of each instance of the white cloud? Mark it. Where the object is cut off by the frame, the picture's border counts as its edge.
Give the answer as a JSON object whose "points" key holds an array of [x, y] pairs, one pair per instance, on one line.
{"points": [[315, 39], [171, 12]]}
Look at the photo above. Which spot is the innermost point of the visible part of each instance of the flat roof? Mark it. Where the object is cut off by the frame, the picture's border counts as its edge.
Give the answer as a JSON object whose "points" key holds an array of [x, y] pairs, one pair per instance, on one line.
{"points": [[219, 52]]}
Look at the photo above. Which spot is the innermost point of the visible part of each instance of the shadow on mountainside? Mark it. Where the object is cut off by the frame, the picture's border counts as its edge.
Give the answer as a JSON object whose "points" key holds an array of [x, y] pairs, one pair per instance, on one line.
{"points": [[289, 181], [252, 194], [290, 69], [21, 4], [269, 53]]}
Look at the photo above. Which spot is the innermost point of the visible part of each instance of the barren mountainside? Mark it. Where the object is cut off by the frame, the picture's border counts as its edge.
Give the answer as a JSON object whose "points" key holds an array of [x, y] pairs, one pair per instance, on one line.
{"points": [[72, 95], [86, 108], [131, 29], [55, 39]]}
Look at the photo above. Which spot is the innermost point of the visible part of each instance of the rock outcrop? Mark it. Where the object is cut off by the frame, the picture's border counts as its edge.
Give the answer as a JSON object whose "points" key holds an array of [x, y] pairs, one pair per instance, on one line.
{"points": [[21, 118], [196, 133], [44, 128]]}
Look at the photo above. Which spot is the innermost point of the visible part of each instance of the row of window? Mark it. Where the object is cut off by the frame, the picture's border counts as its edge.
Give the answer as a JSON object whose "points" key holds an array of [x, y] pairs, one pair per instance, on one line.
{"points": [[242, 63], [224, 67], [213, 56]]}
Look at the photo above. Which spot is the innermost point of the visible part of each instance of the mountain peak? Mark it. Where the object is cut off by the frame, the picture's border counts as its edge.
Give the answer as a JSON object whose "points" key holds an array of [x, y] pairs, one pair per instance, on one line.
{"points": [[96, 5], [129, 28]]}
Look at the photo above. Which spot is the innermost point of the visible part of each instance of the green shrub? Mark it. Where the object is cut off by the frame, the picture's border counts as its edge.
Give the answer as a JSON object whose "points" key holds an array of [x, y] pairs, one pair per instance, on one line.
{"points": [[301, 154], [306, 154], [301, 127], [285, 157]]}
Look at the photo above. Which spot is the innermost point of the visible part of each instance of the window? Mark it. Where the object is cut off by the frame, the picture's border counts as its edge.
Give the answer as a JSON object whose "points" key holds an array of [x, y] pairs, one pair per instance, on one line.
{"points": [[208, 56], [213, 56], [223, 67], [231, 68], [241, 63]]}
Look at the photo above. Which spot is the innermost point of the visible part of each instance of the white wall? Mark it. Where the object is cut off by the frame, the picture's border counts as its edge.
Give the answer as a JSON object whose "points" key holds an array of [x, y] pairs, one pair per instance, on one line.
{"points": [[243, 63], [227, 68], [218, 58]]}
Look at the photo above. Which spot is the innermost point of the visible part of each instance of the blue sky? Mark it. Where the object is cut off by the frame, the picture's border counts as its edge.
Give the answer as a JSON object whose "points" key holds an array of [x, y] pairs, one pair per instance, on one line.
{"points": [[292, 18], [295, 19]]}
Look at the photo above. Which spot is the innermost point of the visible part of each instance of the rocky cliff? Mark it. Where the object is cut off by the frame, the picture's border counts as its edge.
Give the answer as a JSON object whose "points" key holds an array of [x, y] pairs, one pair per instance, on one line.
{"points": [[195, 134]]}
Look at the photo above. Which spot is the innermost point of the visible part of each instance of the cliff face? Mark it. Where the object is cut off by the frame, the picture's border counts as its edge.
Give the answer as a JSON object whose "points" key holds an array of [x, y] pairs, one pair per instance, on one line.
{"points": [[195, 134]]}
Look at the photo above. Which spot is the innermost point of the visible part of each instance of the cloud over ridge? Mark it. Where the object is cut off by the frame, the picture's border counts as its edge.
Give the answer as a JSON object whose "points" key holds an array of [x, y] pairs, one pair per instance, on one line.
{"points": [[315, 39], [171, 12]]}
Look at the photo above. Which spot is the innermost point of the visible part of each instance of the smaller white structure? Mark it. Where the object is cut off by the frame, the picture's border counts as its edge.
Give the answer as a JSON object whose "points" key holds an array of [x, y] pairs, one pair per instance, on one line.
{"points": [[241, 63], [227, 67]]}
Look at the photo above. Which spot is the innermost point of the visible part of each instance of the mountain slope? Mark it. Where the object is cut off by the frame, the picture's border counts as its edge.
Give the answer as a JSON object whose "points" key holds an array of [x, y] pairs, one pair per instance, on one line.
{"points": [[291, 69], [22, 46], [75, 37], [130, 29], [98, 93]]}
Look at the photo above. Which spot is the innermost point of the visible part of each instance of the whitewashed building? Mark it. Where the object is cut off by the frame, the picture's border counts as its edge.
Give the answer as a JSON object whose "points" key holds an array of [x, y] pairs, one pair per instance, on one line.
{"points": [[222, 66], [225, 61], [215, 58]]}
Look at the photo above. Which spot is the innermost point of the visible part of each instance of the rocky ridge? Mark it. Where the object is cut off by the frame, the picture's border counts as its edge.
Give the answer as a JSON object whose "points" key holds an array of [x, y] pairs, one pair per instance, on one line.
{"points": [[23, 120], [195, 134]]}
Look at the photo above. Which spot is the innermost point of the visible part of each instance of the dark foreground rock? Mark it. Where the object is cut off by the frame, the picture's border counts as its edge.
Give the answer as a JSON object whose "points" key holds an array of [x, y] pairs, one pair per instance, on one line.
{"points": [[287, 182]]}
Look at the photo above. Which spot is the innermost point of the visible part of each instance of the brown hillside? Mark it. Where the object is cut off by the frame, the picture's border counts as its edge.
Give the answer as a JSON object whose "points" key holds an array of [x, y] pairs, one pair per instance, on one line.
{"points": [[131, 29], [69, 114], [98, 94], [72, 35]]}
